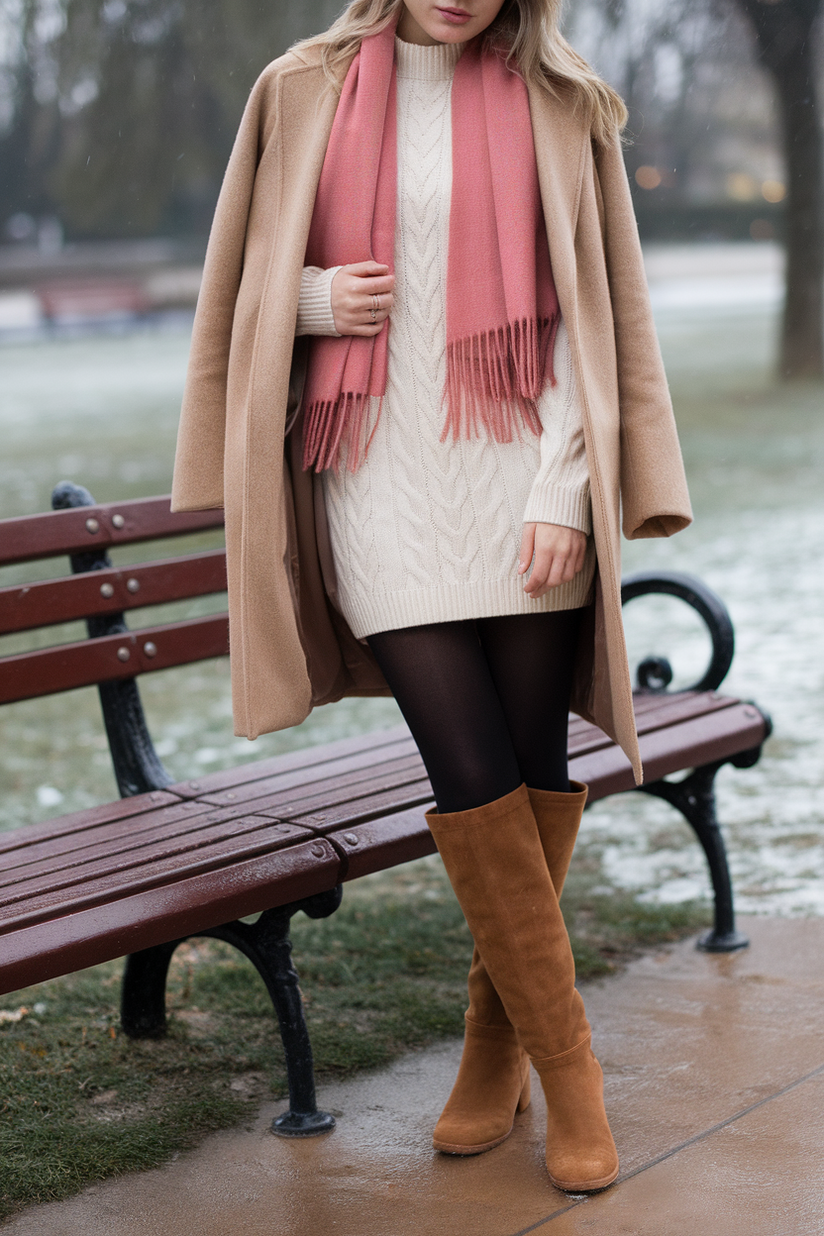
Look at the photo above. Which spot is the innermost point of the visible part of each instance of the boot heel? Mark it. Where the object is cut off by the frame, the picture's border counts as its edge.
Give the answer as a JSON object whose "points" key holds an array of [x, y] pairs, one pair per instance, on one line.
{"points": [[526, 1091]]}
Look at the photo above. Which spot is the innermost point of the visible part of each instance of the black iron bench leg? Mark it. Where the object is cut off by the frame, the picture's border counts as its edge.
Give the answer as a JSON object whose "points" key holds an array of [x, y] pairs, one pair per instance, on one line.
{"points": [[267, 945], [143, 992], [694, 797]]}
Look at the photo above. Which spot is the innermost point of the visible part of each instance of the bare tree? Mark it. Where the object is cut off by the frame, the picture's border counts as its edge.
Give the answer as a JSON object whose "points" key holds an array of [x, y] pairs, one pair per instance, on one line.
{"points": [[118, 115], [784, 31], [697, 117]]}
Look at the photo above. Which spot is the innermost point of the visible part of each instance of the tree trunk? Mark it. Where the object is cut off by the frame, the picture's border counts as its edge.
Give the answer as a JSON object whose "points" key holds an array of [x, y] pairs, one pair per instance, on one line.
{"points": [[802, 349], [784, 32]]}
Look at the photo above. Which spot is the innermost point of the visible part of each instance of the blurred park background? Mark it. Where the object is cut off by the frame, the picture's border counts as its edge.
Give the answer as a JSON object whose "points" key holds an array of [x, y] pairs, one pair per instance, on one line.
{"points": [[116, 121]]}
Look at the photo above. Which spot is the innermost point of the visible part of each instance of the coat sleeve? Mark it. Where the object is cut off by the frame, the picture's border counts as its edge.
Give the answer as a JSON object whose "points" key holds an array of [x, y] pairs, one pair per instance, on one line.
{"points": [[654, 496], [198, 473]]}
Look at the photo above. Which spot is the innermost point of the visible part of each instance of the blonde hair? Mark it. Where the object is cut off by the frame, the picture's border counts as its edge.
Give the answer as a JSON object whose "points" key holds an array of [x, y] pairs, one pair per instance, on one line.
{"points": [[527, 30]]}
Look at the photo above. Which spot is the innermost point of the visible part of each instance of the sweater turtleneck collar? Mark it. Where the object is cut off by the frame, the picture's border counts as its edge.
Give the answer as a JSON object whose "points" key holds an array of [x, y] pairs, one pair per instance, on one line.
{"points": [[431, 63]]}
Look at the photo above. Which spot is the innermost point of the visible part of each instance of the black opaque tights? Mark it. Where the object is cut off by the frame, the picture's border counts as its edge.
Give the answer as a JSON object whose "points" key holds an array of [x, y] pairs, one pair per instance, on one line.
{"points": [[487, 701]]}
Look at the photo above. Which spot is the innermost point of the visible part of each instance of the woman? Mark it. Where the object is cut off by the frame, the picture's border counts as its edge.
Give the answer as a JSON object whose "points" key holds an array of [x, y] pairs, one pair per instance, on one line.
{"points": [[422, 430]]}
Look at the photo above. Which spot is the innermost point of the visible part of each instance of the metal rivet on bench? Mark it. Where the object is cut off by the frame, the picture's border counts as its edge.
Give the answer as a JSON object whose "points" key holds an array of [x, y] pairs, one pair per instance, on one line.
{"points": [[118, 521], [133, 585], [318, 851], [750, 712], [123, 654], [150, 649], [350, 838], [107, 590], [230, 796], [92, 525], [194, 785]]}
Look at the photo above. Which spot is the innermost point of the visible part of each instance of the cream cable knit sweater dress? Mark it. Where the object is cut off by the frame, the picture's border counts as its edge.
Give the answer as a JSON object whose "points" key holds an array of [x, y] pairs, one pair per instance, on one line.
{"points": [[430, 531]]}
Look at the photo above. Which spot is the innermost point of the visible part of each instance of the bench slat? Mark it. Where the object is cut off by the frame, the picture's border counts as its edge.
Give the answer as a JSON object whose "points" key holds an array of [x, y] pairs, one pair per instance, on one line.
{"points": [[109, 882], [141, 920], [24, 607], [60, 848], [698, 740], [276, 795], [19, 839], [652, 712], [377, 745], [384, 842], [128, 868], [88, 662], [53, 533], [122, 848], [315, 811], [643, 702], [702, 740]]}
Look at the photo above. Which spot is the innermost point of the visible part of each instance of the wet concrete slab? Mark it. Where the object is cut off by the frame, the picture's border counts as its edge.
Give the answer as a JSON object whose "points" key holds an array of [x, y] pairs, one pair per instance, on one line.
{"points": [[759, 1175], [714, 1071]]}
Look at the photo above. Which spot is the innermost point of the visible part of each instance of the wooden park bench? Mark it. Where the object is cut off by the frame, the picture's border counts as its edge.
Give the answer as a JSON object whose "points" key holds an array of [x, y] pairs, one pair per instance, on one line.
{"points": [[172, 860]]}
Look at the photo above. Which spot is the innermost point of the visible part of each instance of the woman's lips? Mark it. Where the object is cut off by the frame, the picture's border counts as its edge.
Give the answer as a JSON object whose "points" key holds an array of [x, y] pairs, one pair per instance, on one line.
{"points": [[457, 17]]}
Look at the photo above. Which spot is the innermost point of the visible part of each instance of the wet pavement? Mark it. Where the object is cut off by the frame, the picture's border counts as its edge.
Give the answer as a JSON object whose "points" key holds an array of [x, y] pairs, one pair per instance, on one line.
{"points": [[714, 1071]]}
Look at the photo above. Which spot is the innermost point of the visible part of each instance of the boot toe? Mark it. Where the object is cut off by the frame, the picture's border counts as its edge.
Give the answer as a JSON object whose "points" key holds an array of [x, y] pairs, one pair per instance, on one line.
{"points": [[472, 1132], [492, 1084], [457, 1141], [584, 1173]]}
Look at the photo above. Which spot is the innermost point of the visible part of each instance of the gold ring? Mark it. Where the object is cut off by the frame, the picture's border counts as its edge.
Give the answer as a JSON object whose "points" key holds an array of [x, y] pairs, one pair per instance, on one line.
{"points": [[376, 302], [373, 315]]}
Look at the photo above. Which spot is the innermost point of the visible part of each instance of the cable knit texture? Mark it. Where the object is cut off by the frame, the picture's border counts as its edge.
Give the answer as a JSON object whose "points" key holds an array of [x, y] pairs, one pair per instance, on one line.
{"points": [[427, 531]]}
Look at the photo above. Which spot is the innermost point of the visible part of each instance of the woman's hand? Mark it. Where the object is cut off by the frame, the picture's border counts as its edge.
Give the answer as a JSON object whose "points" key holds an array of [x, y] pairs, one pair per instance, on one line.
{"points": [[558, 553], [356, 291]]}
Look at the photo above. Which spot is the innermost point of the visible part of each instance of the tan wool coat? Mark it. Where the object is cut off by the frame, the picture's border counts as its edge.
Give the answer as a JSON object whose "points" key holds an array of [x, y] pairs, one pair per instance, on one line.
{"points": [[239, 439]]}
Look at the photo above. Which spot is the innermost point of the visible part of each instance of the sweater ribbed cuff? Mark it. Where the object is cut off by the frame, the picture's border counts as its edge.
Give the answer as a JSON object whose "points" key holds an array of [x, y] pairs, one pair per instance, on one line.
{"points": [[550, 504], [315, 316]]}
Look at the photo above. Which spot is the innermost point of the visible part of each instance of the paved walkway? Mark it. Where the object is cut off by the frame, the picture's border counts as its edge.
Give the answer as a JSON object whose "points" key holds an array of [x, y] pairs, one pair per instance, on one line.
{"points": [[715, 1088]]}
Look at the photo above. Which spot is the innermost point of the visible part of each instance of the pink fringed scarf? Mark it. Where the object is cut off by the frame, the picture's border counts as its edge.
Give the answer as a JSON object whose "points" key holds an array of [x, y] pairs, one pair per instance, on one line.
{"points": [[501, 306]]}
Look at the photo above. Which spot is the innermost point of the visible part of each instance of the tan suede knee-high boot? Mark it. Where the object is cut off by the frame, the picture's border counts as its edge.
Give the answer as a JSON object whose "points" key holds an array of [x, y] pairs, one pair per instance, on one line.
{"points": [[493, 1079], [558, 817], [496, 864]]}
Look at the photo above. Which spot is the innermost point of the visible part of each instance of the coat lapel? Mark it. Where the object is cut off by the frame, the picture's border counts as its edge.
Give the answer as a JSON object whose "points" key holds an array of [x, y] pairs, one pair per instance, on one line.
{"points": [[288, 175], [308, 105], [561, 142]]}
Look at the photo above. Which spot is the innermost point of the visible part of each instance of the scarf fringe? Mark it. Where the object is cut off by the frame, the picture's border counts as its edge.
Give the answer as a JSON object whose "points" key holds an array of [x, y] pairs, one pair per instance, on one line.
{"points": [[332, 427], [494, 380]]}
